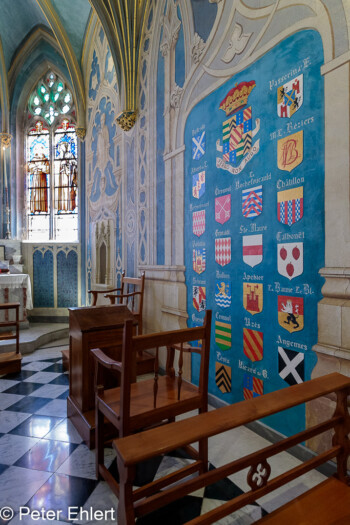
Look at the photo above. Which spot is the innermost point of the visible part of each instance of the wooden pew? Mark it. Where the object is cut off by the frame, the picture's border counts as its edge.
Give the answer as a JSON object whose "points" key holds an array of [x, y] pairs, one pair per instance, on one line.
{"points": [[327, 503]]}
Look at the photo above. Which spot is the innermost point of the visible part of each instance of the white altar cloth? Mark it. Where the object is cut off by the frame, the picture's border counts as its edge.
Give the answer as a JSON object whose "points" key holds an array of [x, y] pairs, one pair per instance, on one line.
{"points": [[17, 288]]}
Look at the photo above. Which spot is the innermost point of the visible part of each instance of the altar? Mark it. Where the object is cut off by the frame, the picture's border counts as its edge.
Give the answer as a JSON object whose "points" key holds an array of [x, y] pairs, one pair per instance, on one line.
{"points": [[16, 288]]}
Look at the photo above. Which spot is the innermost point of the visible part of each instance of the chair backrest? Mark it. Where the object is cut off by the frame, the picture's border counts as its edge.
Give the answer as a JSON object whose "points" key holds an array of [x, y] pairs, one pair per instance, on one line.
{"points": [[131, 293], [169, 341]]}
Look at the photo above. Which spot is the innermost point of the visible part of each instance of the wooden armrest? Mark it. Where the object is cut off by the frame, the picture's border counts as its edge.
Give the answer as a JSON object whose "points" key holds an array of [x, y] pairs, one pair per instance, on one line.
{"points": [[106, 361], [103, 291], [121, 296], [186, 347], [6, 306]]}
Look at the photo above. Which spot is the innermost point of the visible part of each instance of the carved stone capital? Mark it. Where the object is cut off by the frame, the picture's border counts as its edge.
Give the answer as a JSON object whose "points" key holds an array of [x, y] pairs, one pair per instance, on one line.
{"points": [[175, 97], [198, 46], [81, 132], [126, 119], [5, 140]]}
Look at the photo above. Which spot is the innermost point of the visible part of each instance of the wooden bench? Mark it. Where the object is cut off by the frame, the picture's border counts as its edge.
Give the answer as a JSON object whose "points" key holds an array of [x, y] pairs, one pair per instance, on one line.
{"points": [[327, 503]]}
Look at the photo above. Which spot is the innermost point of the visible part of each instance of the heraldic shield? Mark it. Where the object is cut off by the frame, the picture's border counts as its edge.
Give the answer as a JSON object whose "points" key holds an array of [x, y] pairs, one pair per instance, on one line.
{"points": [[252, 387], [291, 366], [223, 293], [290, 151], [290, 205], [223, 377], [223, 335], [253, 297], [290, 97], [252, 202], [223, 208], [253, 344], [290, 259], [291, 313], [252, 249], [237, 130], [199, 298], [198, 184], [198, 222], [223, 250], [199, 260]]}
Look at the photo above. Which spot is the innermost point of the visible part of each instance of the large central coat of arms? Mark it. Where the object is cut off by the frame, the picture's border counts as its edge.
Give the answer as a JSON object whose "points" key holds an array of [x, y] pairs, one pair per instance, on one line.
{"points": [[237, 130]]}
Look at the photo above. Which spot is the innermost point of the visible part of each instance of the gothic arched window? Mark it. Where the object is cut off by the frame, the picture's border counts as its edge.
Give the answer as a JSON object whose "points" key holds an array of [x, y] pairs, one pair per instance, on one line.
{"points": [[51, 160]]}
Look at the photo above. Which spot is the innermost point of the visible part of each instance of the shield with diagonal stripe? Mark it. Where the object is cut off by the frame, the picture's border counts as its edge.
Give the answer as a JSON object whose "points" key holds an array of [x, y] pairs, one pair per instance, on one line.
{"points": [[223, 375], [252, 386], [253, 344]]}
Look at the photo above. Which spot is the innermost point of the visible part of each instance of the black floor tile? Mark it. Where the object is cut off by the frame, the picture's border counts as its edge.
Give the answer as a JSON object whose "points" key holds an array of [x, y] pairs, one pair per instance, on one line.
{"points": [[20, 376], [3, 467], [56, 367], [23, 389], [47, 455], [63, 379], [145, 471], [36, 426], [64, 395], [176, 513], [29, 404], [62, 491], [223, 490]]}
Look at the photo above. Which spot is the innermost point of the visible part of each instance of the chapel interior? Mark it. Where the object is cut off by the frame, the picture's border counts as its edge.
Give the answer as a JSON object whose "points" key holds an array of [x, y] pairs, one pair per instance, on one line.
{"points": [[174, 254]]}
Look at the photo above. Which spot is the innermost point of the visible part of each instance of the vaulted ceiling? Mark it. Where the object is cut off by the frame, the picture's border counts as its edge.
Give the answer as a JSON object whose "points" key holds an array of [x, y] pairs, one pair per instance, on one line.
{"points": [[28, 27]]}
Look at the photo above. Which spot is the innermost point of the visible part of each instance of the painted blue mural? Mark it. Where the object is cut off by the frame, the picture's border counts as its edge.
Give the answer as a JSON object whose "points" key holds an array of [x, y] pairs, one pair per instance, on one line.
{"points": [[67, 278], [95, 77], [43, 279], [103, 151], [254, 223]]}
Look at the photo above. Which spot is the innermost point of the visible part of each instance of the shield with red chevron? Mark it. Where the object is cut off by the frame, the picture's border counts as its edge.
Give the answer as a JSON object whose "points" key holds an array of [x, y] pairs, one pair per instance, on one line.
{"points": [[252, 202], [253, 344]]}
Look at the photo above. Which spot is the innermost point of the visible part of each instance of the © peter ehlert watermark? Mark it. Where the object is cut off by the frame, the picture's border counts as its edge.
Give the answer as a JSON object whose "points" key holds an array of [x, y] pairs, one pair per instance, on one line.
{"points": [[73, 514]]}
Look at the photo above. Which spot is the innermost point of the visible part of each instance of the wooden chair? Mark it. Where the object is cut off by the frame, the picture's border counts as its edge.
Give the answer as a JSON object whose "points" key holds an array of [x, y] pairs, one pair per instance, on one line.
{"points": [[137, 405], [130, 293], [10, 362]]}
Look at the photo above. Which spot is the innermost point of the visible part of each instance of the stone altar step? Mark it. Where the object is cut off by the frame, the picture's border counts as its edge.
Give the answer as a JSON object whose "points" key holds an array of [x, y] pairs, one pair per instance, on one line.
{"points": [[38, 334]]}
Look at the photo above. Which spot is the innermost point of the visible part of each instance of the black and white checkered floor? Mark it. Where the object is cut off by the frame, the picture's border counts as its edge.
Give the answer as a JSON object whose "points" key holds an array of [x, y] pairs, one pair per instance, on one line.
{"points": [[45, 466]]}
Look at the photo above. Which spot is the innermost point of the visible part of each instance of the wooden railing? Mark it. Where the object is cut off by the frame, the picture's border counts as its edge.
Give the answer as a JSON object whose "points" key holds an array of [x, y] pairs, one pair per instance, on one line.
{"points": [[137, 448]]}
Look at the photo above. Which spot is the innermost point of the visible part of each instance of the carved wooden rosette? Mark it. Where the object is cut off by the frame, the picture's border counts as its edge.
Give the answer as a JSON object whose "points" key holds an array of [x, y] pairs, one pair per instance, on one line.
{"points": [[258, 474]]}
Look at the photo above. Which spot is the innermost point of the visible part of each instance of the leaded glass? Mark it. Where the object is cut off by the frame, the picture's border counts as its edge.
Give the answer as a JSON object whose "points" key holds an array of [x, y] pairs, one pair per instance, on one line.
{"points": [[38, 169], [51, 186], [50, 98]]}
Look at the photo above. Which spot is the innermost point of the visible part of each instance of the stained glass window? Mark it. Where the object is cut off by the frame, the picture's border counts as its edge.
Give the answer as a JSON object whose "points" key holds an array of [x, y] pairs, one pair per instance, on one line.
{"points": [[52, 164]]}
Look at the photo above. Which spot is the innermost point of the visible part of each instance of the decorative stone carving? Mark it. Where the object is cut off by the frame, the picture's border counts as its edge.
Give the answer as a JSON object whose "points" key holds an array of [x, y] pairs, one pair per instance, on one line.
{"points": [[175, 97], [237, 43], [198, 46], [81, 132], [5, 139], [171, 28], [126, 119]]}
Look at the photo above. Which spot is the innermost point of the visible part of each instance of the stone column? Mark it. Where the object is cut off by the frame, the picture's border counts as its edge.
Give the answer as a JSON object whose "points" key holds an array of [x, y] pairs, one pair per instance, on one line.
{"points": [[333, 347]]}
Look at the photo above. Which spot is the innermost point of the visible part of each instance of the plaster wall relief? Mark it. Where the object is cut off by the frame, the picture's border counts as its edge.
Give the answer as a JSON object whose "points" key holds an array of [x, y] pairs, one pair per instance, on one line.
{"points": [[104, 216]]}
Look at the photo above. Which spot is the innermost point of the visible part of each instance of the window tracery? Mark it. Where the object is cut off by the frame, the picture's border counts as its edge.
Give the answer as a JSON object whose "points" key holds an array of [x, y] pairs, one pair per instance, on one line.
{"points": [[52, 163]]}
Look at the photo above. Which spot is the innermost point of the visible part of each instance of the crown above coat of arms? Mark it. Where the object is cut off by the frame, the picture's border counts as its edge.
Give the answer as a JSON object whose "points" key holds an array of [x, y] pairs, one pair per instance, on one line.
{"points": [[237, 97]]}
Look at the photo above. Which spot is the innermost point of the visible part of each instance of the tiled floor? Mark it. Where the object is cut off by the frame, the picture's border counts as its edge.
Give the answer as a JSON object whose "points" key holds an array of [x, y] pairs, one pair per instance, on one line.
{"points": [[45, 465]]}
